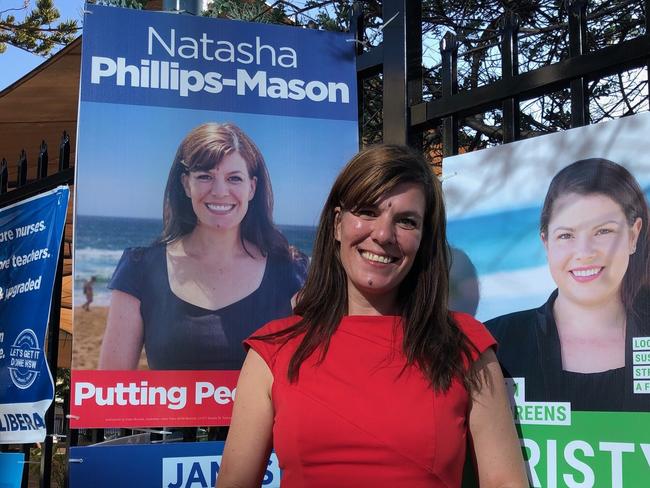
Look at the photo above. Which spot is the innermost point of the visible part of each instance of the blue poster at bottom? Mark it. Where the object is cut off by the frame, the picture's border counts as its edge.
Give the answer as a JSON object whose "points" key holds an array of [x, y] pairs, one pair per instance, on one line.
{"points": [[11, 469], [174, 465]]}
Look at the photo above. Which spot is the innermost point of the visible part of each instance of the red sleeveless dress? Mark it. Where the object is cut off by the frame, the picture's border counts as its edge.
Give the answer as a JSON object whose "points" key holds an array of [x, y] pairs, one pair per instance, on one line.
{"points": [[359, 418]]}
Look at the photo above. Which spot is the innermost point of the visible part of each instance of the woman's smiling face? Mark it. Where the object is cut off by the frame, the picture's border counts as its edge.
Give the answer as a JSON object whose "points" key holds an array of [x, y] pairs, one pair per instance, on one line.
{"points": [[588, 246], [220, 195], [379, 243]]}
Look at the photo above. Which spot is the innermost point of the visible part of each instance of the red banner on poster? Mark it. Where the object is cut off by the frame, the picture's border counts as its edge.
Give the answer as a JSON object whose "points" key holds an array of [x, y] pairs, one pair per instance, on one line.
{"points": [[151, 398]]}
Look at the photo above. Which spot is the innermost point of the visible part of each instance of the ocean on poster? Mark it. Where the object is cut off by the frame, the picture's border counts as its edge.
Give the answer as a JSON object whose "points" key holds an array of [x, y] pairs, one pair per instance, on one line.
{"points": [[101, 241]]}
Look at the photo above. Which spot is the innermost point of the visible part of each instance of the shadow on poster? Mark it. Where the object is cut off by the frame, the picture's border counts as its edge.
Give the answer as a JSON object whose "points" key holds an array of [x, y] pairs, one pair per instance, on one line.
{"points": [[206, 148], [556, 231]]}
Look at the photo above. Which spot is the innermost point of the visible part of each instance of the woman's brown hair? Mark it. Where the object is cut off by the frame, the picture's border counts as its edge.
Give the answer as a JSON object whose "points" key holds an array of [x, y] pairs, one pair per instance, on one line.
{"points": [[202, 149], [432, 339]]}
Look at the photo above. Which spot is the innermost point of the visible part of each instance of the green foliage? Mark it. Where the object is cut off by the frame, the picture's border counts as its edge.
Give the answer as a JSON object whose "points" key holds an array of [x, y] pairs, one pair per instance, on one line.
{"points": [[58, 466], [250, 10], [135, 4], [38, 32], [62, 383]]}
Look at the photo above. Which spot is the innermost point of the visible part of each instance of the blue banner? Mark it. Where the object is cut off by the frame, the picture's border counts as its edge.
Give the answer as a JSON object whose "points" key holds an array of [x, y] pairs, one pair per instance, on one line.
{"points": [[30, 239], [177, 465], [159, 59]]}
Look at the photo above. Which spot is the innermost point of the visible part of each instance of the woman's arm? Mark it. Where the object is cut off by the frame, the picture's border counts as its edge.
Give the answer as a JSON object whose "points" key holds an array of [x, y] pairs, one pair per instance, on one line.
{"points": [[498, 454], [124, 334], [249, 441]]}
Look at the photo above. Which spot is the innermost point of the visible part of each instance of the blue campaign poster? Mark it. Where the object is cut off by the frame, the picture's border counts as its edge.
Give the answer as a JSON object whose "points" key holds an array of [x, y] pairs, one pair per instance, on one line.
{"points": [[195, 130], [11, 469], [30, 239], [176, 465]]}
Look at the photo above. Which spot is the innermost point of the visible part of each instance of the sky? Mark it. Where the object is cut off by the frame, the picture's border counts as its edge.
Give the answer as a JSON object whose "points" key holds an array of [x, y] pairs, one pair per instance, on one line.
{"points": [[516, 175], [16, 63]]}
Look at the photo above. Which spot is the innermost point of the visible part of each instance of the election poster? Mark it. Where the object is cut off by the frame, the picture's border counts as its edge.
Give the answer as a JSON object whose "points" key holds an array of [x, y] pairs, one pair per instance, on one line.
{"points": [[551, 250], [174, 465], [206, 148], [30, 240]]}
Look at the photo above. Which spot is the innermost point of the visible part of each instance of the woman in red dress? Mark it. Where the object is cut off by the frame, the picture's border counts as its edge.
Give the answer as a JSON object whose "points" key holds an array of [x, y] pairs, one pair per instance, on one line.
{"points": [[374, 382]]}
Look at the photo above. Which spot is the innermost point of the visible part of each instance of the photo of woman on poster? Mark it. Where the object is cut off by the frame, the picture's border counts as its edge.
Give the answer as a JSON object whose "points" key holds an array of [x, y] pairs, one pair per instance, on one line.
{"points": [[219, 270], [577, 347]]}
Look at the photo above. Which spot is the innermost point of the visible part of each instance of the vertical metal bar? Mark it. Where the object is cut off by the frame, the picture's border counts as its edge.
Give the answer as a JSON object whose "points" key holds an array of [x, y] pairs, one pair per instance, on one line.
{"points": [[414, 74], [27, 453], [52, 359], [400, 52], [64, 152], [449, 51], [510, 69], [357, 26], [22, 169], [4, 176], [577, 47], [647, 34], [68, 437], [97, 435], [190, 434], [73, 437], [41, 170]]}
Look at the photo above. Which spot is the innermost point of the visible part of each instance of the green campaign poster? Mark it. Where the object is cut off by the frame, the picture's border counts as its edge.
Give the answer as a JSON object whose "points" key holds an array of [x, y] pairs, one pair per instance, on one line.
{"points": [[550, 244]]}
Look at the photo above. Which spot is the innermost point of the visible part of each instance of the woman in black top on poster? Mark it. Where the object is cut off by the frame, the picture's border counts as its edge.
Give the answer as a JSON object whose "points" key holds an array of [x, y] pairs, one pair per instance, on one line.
{"points": [[578, 346], [219, 271]]}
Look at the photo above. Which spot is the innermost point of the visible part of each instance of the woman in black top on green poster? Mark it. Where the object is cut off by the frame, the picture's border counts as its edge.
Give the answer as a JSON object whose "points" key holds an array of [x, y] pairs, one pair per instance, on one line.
{"points": [[578, 347]]}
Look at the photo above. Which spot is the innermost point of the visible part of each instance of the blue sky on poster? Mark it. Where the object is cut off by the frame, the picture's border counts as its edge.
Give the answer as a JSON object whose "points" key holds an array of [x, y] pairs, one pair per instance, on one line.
{"points": [[114, 139], [516, 175], [16, 63]]}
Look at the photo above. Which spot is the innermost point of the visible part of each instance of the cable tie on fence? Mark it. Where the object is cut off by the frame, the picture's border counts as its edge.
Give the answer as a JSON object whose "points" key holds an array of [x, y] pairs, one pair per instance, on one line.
{"points": [[76, 460], [28, 462], [363, 43], [73, 417], [151, 431], [446, 177], [381, 27]]}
